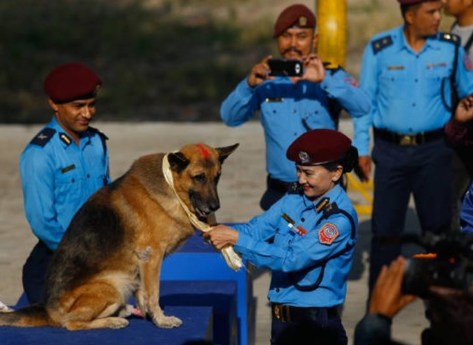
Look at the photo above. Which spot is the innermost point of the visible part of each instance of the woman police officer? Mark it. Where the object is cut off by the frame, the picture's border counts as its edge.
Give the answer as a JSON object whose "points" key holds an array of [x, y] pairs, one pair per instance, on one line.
{"points": [[307, 239]]}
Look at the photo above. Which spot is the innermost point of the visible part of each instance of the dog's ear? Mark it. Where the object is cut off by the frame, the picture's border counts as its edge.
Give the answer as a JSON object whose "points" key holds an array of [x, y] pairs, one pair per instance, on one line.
{"points": [[224, 152], [178, 161]]}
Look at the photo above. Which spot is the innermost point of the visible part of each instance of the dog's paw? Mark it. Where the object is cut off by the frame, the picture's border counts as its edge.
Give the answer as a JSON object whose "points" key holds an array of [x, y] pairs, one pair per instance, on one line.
{"points": [[4, 308], [167, 322], [126, 311], [117, 322]]}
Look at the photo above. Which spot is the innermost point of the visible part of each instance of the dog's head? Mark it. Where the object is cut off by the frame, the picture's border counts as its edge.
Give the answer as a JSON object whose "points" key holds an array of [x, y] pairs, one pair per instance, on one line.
{"points": [[196, 172]]}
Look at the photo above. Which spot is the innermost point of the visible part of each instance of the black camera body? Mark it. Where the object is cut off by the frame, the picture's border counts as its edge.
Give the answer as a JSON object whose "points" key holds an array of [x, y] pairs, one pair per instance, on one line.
{"points": [[286, 68], [451, 265]]}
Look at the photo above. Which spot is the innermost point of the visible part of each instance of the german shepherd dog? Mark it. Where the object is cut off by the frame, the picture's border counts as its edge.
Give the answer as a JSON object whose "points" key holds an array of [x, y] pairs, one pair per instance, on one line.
{"points": [[116, 243]]}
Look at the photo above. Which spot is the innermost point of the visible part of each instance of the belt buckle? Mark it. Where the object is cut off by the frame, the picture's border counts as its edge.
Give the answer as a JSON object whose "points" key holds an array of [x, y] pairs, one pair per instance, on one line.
{"points": [[282, 312], [407, 139], [278, 312]]}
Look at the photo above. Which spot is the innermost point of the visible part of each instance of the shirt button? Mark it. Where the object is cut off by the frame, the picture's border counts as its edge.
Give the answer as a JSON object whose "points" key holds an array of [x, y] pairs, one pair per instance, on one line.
{"points": [[73, 180], [302, 219], [88, 175], [413, 104], [277, 289], [294, 111], [416, 80]]}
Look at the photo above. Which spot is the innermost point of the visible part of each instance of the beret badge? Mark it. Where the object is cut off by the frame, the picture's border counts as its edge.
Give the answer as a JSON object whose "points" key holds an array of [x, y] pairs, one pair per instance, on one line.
{"points": [[304, 157], [302, 21]]}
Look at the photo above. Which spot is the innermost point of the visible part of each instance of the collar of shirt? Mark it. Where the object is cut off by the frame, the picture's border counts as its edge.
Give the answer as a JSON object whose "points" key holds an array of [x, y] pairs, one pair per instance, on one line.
{"points": [[85, 137], [431, 42], [332, 194]]}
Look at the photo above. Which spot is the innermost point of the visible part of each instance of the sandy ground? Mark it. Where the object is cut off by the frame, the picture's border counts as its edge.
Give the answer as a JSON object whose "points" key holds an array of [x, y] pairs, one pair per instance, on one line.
{"points": [[242, 183]]}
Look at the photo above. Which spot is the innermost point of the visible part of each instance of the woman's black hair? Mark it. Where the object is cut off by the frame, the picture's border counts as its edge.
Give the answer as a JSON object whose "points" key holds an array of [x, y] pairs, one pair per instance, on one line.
{"points": [[348, 161]]}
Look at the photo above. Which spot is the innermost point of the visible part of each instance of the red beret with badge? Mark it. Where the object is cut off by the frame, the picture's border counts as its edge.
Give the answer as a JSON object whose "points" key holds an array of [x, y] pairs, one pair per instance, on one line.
{"points": [[71, 81], [297, 15], [319, 146]]}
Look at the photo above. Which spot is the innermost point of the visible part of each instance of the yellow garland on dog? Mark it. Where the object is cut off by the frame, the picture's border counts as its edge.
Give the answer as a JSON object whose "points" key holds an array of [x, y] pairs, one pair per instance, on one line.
{"points": [[232, 259]]}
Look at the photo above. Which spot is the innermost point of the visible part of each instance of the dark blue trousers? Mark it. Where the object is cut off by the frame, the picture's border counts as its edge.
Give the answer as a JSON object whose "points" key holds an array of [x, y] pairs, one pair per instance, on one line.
{"points": [[320, 332], [271, 195], [422, 170], [34, 272]]}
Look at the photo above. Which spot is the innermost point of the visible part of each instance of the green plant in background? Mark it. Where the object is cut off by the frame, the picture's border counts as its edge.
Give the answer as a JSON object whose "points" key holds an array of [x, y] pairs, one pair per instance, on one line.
{"points": [[160, 60], [151, 60]]}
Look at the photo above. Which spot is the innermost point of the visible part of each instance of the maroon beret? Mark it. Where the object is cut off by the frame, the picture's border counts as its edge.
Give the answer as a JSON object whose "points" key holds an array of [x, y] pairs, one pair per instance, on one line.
{"points": [[295, 15], [318, 146], [412, 2], [71, 81]]}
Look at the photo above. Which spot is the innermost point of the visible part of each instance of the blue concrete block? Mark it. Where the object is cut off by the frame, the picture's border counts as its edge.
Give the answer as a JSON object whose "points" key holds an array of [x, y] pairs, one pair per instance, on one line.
{"points": [[220, 295], [197, 260], [196, 327]]}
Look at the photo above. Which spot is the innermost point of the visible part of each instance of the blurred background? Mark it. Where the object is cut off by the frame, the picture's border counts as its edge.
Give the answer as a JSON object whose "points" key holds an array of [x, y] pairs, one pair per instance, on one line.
{"points": [[160, 60]]}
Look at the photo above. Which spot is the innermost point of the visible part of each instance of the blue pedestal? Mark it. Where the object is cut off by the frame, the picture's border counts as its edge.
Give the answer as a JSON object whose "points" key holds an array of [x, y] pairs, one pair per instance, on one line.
{"points": [[196, 327], [198, 261], [219, 295]]}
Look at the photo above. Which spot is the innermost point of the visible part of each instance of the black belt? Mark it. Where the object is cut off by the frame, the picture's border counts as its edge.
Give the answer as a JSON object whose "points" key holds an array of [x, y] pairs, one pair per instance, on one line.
{"points": [[286, 313], [408, 139], [281, 186]]}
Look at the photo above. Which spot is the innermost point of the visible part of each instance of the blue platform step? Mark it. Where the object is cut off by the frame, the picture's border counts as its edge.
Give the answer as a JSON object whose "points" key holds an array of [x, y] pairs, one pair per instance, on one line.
{"points": [[196, 327], [198, 261]]}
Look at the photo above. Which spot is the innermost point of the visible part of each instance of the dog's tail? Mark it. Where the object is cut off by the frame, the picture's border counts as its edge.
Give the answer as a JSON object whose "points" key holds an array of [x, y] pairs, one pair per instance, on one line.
{"points": [[32, 316]]}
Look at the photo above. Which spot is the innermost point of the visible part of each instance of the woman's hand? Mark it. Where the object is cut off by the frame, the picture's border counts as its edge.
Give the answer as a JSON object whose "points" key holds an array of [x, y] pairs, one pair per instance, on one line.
{"points": [[221, 236]]}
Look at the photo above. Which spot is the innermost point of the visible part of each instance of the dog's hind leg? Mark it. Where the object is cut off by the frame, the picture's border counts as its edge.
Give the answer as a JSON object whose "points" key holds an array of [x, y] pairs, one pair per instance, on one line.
{"points": [[108, 322], [91, 306]]}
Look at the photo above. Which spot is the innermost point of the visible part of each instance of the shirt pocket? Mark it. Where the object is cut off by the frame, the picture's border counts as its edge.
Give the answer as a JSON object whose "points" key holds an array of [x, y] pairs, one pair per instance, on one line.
{"points": [[393, 82], [67, 186], [284, 237], [436, 78]]}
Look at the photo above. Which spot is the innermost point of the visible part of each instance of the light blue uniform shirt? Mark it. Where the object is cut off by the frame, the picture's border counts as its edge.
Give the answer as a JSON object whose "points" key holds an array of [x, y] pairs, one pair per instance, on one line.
{"points": [[59, 177], [405, 87], [288, 110], [268, 241]]}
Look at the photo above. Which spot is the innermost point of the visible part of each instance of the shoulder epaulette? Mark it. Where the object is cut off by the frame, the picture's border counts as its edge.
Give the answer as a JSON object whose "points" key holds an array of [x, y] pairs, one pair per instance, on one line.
{"points": [[95, 130], [322, 204], [294, 188], [330, 208], [103, 137], [381, 43], [43, 137], [448, 37], [332, 68]]}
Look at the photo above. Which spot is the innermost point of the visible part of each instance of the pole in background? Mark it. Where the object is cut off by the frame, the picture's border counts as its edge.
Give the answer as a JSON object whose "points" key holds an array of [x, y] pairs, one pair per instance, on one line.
{"points": [[332, 30]]}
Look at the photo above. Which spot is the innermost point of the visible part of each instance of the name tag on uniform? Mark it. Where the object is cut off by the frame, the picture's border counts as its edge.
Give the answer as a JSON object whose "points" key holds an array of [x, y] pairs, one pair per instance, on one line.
{"points": [[69, 168], [395, 68], [433, 65], [272, 100]]}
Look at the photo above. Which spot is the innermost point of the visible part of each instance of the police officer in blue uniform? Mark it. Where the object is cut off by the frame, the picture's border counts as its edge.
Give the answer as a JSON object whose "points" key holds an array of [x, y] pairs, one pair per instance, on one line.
{"points": [[290, 106], [62, 166], [307, 239], [407, 73]]}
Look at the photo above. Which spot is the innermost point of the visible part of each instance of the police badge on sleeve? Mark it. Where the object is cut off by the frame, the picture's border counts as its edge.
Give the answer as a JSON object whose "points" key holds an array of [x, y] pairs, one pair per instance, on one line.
{"points": [[328, 233]]}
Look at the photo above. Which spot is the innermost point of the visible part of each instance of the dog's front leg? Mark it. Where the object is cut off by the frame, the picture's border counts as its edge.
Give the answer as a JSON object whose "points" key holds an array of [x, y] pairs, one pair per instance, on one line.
{"points": [[151, 272]]}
